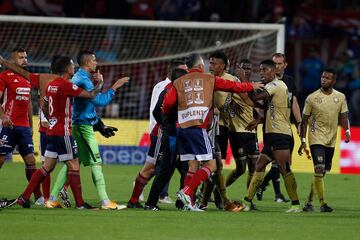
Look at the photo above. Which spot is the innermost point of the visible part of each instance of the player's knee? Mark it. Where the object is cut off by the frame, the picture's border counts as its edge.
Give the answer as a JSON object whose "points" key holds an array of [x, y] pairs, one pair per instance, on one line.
{"points": [[319, 169], [240, 166]]}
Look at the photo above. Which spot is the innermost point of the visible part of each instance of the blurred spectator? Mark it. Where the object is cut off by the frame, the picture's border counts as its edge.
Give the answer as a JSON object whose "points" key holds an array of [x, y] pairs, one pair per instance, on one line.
{"points": [[311, 69], [142, 10], [6, 7], [191, 9], [169, 10], [40, 7], [345, 66]]}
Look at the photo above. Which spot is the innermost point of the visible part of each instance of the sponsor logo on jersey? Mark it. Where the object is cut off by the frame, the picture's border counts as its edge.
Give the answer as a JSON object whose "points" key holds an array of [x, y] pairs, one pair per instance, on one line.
{"points": [[23, 91], [22, 98], [52, 89]]}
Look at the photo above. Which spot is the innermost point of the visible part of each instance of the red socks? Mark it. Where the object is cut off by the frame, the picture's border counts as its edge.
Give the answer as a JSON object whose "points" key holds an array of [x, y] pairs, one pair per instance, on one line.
{"points": [[29, 171], [75, 184], [200, 176], [37, 177], [140, 183], [46, 187]]}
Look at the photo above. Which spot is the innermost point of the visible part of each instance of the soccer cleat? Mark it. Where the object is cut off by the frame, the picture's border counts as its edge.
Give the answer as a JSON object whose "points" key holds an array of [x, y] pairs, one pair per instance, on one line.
{"points": [[259, 193], [23, 202], [151, 208], [325, 208], [280, 198], [308, 208], [4, 203], [40, 201], [179, 204], [166, 200], [86, 206], [65, 199], [192, 208], [53, 204], [184, 197], [232, 207], [294, 209], [134, 205], [200, 206], [250, 206], [112, 206]]}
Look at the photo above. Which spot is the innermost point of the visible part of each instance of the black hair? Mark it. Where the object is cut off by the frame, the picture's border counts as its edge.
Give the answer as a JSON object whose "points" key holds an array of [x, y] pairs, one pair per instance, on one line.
{"points": [[220, 55], [331, 70], [18, 49], [81, 56], [278, 55], [192, 60], [61, 64], [175, 64], [53, 63], [176, 73], [269, 63]]}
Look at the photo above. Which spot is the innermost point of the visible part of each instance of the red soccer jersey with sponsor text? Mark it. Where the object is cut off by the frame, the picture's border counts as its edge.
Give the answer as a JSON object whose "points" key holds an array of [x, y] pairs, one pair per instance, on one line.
{"points": [[59, 93], [16, 97]]}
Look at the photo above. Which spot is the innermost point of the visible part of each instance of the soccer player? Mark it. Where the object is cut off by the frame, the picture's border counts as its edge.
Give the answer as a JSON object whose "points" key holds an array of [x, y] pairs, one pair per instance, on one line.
{"points": [[155, 139], [168, 152], [274, 173], [323, 110], [218, 65], [193, 94], [244, 143], [277, 134], [60, 143], [86, 121], [16, 124], [39, 81]]}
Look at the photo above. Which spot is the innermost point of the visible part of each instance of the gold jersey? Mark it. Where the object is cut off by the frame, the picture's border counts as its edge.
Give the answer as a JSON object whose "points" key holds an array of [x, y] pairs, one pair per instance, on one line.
{"points": [[278, 112], [241, 115], [324, 113], [222, 101]]}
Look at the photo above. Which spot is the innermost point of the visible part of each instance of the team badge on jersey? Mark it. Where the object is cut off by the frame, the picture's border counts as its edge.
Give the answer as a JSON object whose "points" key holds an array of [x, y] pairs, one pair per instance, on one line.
{"points": [[336, 100]]}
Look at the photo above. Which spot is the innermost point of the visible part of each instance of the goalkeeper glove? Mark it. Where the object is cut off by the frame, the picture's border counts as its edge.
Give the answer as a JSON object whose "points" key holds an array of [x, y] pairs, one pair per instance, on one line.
{"points": [[106, 131]]}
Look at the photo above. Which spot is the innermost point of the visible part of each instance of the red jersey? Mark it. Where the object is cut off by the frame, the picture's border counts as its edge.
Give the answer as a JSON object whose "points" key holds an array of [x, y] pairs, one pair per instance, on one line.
{"points": [[59, 93], [17, 96]]}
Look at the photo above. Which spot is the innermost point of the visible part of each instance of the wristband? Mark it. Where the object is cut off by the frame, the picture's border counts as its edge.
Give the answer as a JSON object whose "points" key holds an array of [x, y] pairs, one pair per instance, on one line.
{"points": [[348, 132], [303, 140]]}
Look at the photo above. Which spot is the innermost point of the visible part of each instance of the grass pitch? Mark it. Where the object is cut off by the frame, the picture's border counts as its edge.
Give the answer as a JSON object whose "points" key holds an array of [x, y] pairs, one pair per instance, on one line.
{"points": [[270, 222]]}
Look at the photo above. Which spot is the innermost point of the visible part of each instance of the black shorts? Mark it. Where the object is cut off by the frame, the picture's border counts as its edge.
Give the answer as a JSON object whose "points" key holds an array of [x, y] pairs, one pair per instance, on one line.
{"points": [[221, 141], [276, 141], [244, 144], [322, 155]]}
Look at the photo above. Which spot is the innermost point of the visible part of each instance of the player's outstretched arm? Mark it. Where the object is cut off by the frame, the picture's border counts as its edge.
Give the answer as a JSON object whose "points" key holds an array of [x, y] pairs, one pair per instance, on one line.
{"points": [[119, 83], [92, 93], [13, 67]]}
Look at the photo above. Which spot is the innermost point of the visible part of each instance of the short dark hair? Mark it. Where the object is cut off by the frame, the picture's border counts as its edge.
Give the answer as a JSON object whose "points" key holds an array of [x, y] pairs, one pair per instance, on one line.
{"points": [[244, 60], [220, 55], [192, 60], [18, 49], [61, 64], [175, 64], [278, 55], [269, 63], [81, 56], [331, 70], [176, 73], [53, 63]]}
